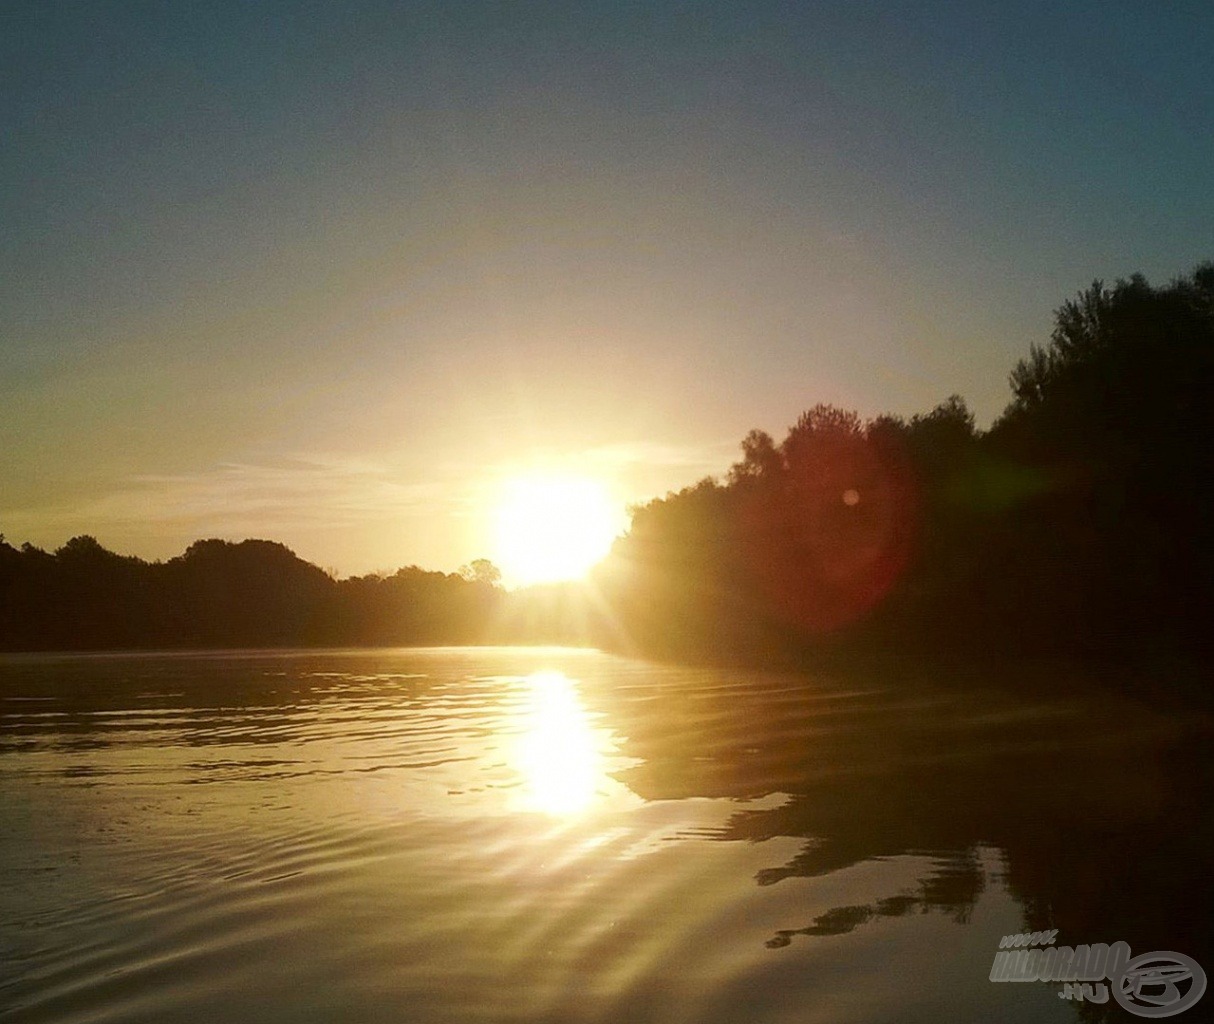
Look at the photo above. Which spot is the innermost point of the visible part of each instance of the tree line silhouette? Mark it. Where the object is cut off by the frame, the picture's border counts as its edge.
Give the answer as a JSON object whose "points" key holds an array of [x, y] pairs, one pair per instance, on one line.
{"points": [[218, 594], [1077, 524]]}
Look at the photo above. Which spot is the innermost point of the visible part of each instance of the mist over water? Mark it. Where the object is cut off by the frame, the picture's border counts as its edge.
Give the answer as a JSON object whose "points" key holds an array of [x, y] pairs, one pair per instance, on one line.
{"points": [[561, 835]]}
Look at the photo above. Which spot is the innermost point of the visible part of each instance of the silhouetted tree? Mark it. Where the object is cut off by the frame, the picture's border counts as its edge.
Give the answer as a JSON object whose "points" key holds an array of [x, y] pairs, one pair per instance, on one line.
{"points": [[483, 571], [1078, 524], [254, 593], [761, 460], [1114, 414]]}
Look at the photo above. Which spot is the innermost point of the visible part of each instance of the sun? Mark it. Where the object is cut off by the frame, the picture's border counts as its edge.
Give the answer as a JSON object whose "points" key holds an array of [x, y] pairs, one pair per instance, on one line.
{"points": [[551, 528]]}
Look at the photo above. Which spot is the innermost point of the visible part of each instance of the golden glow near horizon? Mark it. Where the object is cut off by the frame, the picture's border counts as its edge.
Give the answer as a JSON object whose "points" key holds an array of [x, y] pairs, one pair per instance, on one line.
{"points": [[558, 752], [549, 528]]}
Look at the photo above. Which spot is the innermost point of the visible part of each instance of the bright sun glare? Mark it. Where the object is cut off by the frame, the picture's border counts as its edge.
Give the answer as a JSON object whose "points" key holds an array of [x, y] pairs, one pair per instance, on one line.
{"points": [[551, 528], [558, 753]]}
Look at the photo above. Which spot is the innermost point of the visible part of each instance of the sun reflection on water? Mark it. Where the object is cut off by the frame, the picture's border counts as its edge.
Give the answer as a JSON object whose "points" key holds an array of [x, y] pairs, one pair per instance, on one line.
{"points": [[558, 752]]}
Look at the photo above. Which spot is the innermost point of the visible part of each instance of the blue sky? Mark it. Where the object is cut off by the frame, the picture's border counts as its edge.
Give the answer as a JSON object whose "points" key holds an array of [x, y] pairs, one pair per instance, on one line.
{"points": [[325, 273]]}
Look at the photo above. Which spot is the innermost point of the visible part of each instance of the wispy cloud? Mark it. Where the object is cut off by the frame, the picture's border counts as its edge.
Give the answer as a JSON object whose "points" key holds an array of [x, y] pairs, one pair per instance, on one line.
{"points": [[353, 507], [626, 460], [312, 490], [708, 458]]}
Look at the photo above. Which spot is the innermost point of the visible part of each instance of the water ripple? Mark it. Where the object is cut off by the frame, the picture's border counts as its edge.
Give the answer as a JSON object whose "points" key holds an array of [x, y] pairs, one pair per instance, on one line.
{"points": [[513, 835]]}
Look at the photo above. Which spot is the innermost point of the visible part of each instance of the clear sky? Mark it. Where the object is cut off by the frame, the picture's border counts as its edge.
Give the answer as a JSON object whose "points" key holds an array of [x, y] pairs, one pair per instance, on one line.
{"points": [[328, 273]]}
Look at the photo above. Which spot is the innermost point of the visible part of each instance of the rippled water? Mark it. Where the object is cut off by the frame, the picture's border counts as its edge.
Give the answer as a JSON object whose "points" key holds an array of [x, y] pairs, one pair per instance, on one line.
{"points": [[561, 835]]}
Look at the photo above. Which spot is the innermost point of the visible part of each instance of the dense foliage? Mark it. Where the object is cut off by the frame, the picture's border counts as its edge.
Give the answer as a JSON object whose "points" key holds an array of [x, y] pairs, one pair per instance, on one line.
{"points": [[219, 594], [1079, 523]]}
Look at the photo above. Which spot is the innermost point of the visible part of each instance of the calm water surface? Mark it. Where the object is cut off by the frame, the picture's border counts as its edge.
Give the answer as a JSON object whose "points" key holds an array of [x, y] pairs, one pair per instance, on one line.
{"points": [[561, 835]]}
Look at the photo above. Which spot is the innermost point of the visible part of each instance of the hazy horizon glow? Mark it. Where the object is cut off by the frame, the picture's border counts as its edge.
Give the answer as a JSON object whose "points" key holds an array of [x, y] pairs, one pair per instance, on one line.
{"points": [[328, 275]]}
